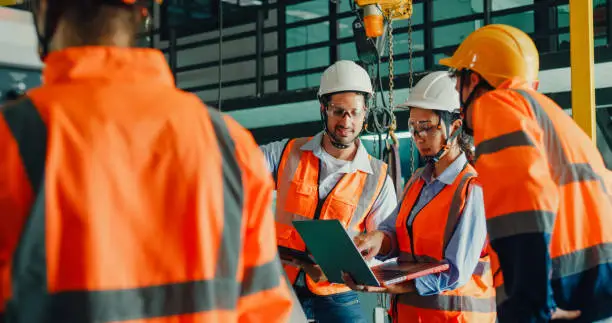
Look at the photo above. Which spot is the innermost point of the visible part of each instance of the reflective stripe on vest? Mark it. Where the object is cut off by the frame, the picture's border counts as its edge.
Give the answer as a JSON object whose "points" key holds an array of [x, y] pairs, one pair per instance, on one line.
{"points": [[371, 188], [476, 298], [456, 207], [563, 172], [450, 303], [32, 302], [358, 190]]}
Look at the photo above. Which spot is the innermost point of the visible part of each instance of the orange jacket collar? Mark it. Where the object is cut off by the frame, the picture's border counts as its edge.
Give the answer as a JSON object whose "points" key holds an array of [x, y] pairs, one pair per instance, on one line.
{"points": [[113, 64], [516, 83]]}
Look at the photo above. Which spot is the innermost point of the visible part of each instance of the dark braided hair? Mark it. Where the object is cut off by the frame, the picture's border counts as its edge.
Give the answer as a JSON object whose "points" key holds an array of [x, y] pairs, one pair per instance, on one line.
{"points": [[465, 141]]}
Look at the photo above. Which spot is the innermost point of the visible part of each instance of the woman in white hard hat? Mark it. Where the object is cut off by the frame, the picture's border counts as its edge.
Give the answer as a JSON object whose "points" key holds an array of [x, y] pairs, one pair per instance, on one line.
{"points": [[441, 218]]}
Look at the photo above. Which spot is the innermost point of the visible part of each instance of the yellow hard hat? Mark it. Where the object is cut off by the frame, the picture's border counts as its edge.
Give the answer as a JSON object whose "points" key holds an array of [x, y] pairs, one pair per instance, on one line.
{"points": [[498, 53]]}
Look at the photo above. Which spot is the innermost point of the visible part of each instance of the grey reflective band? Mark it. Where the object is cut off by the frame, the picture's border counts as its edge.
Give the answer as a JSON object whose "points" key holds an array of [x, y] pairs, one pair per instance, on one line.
{"points": [[140, 303], [417, 174], [563, 171], [29, 260], [286, 170], [30, 133], [520, 223], [371, 189], [500, 294], [581, 260], [451, 303], [455, 209], [261, 278], [481, 268], [29, 279], [233, 192], [513, 139]]}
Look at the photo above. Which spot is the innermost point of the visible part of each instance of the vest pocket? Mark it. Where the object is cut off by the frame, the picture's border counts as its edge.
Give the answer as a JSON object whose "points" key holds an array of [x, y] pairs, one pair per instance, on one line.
{"points": [[301, 199], [339, 209]]}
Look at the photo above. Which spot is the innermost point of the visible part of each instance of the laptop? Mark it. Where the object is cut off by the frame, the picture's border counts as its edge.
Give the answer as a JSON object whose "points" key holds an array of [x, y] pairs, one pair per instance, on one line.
{"points": [[334, 250], [289, 254]]}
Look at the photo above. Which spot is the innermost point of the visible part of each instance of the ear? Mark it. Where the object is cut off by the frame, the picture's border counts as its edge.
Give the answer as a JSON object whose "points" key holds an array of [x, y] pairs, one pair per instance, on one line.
{"points": [[456, 125], [474, 79]]}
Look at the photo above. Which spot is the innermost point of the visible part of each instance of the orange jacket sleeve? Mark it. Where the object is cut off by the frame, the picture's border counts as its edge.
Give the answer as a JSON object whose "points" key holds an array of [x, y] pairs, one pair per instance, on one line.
{"points": [[265, 295], [521, 201], [15, 201]]}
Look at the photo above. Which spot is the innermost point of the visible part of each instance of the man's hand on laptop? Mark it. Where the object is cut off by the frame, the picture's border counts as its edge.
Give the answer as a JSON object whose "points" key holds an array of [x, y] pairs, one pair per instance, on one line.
{"points": [[401, 288], [370, 244], [314, 271]]}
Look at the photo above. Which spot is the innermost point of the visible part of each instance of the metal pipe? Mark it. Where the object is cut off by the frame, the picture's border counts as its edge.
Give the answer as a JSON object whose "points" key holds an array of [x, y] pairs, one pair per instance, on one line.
{"points": [[428, 33], [486, 9], [582, 65], [609, 21], [172, 53], [334, 54], [282, 46], [259, 49]]}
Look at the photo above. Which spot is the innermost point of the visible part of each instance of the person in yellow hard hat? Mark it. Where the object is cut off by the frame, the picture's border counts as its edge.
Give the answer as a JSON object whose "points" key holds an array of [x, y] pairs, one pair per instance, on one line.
{"points": [[546, 189]]}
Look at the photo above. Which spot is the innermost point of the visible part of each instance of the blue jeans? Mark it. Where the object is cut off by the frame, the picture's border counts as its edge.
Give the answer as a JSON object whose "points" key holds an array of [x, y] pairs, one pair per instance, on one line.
{"points": [[338, 308]]}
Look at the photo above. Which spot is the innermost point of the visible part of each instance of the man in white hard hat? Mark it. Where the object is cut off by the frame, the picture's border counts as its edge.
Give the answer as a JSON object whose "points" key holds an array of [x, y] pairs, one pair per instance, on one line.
{"points": [[330, 176], [441, 218]]}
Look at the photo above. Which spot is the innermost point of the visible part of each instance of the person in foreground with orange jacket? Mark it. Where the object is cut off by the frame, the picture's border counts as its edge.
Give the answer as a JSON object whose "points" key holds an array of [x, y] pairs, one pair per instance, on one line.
{"points": [[123, 198], [440, 218], [330, 176], [547, 192]]}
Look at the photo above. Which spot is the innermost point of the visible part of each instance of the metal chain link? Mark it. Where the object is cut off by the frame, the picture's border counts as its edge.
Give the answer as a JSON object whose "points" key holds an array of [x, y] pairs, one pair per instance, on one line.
{"points": [[391, 66], [411, 84]]}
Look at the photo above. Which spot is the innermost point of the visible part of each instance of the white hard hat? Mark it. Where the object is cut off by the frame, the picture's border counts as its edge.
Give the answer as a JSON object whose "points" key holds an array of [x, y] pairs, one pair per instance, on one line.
{"points": [[435, 91], [345, 76]]}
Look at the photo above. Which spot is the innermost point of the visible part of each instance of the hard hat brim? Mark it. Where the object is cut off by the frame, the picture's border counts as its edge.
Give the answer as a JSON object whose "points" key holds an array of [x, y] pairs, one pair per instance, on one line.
{"points": [[447, 61], [422, 104]]}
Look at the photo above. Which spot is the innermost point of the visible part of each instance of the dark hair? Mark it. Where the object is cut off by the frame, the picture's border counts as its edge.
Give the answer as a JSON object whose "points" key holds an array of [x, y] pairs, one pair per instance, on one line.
{"points": [[94, 21], [465, 141]]}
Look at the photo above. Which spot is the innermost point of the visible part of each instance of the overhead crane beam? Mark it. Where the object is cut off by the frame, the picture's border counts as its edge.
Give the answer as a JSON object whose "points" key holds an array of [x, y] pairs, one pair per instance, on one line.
{"points": [[583, 65]]}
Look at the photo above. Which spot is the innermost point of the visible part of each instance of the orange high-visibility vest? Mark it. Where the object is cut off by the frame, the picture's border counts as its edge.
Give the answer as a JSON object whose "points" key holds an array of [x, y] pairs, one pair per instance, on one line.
{"points": [[298, 199], [124, 199], [432, 229], [562, 188]]}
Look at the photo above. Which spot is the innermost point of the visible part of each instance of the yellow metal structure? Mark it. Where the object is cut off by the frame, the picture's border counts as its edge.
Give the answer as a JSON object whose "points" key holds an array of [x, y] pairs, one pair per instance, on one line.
{"points": [[583, 65], [392, 9], [10, 2]]}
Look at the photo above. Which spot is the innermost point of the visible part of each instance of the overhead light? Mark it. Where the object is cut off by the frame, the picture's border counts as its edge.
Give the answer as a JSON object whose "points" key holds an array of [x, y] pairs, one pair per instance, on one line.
{"points": [[244, 3]]}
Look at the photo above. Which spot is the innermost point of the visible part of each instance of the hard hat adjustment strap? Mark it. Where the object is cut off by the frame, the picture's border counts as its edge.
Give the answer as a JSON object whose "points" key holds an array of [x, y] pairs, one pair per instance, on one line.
{"points": [[434, 159], [331, 136]]}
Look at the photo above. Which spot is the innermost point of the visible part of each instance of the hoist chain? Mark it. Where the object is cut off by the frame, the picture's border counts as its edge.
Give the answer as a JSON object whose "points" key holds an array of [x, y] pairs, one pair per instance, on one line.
{"points": [[411, 84], [371, 72], [391, 65]]}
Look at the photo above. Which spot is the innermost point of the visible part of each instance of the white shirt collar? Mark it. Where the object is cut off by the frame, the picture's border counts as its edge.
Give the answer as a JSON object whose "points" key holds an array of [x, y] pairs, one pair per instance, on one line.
{"points": [[361, 161]]}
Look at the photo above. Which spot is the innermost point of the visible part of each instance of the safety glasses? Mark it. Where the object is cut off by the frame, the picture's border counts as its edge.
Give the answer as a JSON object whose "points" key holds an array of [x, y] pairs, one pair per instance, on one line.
{"points": [[339, 111], [423, 129]]}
